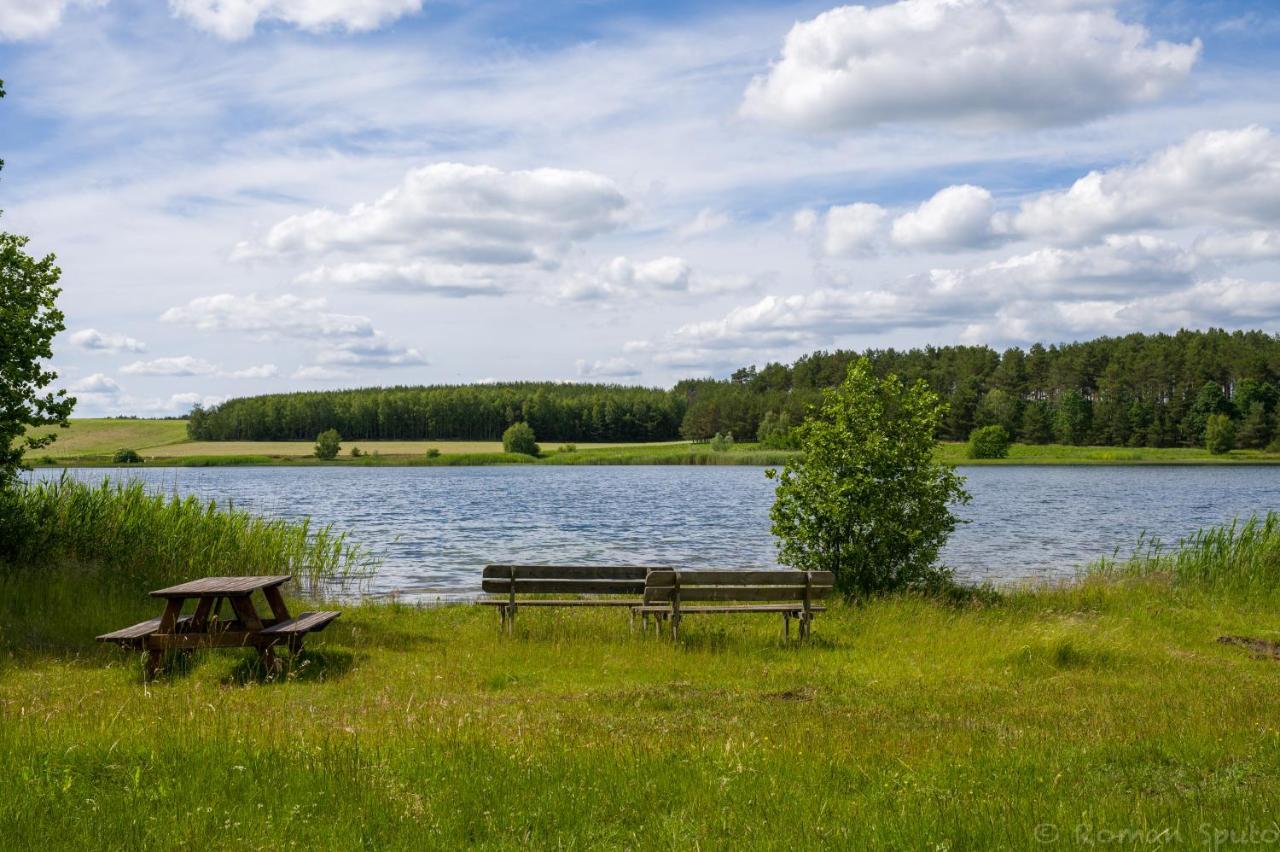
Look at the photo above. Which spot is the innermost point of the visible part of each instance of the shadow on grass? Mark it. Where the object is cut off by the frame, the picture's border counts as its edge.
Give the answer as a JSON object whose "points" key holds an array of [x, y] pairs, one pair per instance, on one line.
{"points": [[305, 667]]}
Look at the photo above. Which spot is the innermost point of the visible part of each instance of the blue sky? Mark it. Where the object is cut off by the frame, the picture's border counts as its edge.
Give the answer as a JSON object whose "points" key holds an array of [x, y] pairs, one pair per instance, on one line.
{"points": [[258, 195]]}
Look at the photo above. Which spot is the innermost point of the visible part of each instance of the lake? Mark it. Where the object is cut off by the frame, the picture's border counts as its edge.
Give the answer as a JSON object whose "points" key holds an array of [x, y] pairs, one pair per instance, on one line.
{"points": [[437, 526]]}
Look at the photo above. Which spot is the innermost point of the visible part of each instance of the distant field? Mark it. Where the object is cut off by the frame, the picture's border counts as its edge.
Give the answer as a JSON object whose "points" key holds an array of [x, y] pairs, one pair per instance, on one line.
{"points": [[306, 448], [98, 436]]}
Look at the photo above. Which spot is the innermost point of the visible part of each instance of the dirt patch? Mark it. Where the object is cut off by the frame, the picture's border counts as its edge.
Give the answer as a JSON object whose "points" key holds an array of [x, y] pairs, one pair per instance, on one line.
{"points": [[1262, 649], [800, 693]]}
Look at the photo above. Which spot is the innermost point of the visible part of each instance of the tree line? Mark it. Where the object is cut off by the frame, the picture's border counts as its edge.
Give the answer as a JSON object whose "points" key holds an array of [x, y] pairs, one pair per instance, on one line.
{"points": [[1153, 390]]}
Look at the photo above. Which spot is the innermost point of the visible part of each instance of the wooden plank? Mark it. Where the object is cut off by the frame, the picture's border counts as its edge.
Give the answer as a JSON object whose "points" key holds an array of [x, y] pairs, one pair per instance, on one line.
{"points": [[737, 577], [733, 593], [244, 608], [169, 618], [585, 587], [567, 572], [137, 631], [215, 586], [574, 602], [660, 609], [275, 600], [306, 623]]}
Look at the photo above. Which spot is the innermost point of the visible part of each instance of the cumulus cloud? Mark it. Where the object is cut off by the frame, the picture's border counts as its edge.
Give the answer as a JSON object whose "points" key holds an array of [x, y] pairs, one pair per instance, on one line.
{"points": [[460, 214], [1228, 176], [96, 341], [341, 339], [319, 374], [448, 280], [851, 229], [282, 315], [262, 371], [184, 365], [28, 19], [707, 221], [236, 19], [609, 368], [955, 218], [1243, 246], [971, 62], [98, 383], [625, 277]]}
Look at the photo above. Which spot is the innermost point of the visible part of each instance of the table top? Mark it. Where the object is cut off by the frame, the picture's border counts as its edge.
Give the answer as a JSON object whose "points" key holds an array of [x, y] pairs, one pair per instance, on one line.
{"points": [[209, 587]]}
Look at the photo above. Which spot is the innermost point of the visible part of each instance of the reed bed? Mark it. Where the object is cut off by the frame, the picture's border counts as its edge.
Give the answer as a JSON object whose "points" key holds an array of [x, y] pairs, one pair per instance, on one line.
{"points": [[144, 536], [1242, 557]]}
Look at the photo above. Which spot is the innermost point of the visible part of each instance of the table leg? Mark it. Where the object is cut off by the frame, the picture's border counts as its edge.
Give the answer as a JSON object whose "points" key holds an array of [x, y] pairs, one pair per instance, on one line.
{"points": [[276, 601]]}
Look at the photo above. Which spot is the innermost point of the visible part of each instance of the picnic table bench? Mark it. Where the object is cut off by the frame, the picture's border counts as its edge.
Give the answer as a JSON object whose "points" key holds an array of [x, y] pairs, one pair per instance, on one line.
{"points": [[206, 627], [593, 585], [671, 594]]}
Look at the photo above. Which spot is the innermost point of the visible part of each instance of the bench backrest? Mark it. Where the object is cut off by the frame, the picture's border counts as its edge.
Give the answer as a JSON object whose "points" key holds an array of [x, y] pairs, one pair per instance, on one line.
{"points": [[566, 579], [662, 586]]}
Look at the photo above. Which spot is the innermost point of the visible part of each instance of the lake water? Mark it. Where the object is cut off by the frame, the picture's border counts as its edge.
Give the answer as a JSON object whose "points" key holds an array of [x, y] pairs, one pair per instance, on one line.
{"points": [[436, 527]]}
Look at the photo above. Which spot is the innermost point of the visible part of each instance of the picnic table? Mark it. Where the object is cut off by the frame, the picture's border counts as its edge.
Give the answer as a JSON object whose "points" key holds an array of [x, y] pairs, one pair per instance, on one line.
{"points": [[207, 628]]}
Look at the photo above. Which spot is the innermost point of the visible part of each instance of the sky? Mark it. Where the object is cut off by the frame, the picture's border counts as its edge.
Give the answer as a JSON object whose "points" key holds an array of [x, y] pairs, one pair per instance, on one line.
{"points": [[250, 196]]}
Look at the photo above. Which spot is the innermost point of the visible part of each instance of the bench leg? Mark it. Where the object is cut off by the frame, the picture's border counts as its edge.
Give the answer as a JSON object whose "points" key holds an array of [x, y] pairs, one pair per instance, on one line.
{"points": [[786, 627], [155, 662]]}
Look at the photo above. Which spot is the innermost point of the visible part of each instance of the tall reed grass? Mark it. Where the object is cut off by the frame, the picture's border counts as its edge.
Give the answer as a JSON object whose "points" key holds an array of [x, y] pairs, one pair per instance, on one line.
{"points": [[1242, 557], [142, 536]]}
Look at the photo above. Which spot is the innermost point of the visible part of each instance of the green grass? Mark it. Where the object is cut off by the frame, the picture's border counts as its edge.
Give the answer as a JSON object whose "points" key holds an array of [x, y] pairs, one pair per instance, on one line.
{"points": [[162, 443]]}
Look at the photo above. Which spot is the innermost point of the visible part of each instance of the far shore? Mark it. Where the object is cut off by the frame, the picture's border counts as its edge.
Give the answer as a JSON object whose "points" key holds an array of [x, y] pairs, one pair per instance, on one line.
{"points": [[164, 443]]}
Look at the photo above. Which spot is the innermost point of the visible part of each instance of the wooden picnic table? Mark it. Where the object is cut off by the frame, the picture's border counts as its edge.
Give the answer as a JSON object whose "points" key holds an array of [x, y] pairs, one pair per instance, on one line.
{"points": [[207, 628]]}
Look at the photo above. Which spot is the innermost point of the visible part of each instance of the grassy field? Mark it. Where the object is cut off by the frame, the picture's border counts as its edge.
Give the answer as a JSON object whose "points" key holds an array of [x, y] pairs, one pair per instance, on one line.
{"points": [[163, 442], [1072, 714]]}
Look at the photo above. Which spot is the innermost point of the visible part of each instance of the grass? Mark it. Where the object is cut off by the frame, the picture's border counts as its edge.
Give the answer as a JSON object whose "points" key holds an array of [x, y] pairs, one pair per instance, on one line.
{"points": [[163, 443], [1082, 713]]}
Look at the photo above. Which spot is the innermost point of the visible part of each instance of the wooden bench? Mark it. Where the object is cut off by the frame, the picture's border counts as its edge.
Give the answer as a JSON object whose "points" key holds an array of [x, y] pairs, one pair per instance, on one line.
{"points": [[671, 594], [592, 585], [208, 628]]}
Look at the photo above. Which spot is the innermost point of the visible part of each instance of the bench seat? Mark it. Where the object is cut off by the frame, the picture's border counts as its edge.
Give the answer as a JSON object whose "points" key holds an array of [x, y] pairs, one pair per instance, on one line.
{"points": [[135, 634], [307, 622], [660, 609], [574, 602]]}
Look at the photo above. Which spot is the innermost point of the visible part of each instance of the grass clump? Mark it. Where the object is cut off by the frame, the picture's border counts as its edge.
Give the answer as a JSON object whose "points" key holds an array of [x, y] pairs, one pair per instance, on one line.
{"points": [[147, 538]]}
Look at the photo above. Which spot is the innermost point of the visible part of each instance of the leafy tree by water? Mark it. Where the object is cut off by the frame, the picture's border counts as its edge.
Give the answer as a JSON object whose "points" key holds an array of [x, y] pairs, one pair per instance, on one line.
{"points": [[1219, 434], [126, 456], [989, 442], [1210, 400], [519, 438], [866, 499], [328, 443], [777, 432], [1257, 428], [721, 443]]}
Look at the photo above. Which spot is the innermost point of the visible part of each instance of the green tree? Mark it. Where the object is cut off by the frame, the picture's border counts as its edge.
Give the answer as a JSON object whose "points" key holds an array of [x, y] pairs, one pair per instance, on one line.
{"points": [[1074, 417], [776, 431], [328, 443], [1219, 434], [519, 438], [29, 320], [1210, 400], [988, 442], [999, 408], [866, 500], [1037, 422], [1257, 428]]}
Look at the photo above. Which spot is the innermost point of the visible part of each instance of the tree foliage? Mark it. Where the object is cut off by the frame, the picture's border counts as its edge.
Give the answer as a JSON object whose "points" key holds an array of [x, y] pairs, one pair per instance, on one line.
{"points": [[866, 500], [520, 438], [328, 443], [1219, 434], [988, 442]]}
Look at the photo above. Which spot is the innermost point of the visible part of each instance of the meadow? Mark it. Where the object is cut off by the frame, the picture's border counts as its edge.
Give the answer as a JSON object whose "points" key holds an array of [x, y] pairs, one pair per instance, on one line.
{"points": [[1102, 712], [90, 442]]}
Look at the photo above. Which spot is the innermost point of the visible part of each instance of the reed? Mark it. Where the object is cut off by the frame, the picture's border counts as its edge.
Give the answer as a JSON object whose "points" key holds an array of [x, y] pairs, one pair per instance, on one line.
{"points": [[155, 538], [1241, 558]]}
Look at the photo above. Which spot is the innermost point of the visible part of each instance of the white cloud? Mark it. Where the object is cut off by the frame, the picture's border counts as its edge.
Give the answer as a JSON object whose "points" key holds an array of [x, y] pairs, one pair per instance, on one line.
{"points": [[181, 403], [804, 221], [610, 368], [282, 315], [29, 19], [236, 19], [1220, 176], [1243, 246], [320, 374], [448, 280], [853, 229], [96, 341], [376, 351], [957, 217], [971, 62], [183, 365], [262, 371], [463, 215], [623, 277], [98, 383], [707, 221]]}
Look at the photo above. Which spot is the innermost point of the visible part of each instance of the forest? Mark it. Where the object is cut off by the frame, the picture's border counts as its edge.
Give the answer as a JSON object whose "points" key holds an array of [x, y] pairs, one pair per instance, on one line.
{"points": [[1154, 390]]}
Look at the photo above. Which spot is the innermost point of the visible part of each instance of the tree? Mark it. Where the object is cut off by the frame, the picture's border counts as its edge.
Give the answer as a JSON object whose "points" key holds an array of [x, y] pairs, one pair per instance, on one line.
{"points": [[1037, 422], [519, 438], [1210, 400], [866, 500], [1257, 427], [1074, 417], [1219, 434], [999, 408], [328, 443], [988, 442], [29, 320]]}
